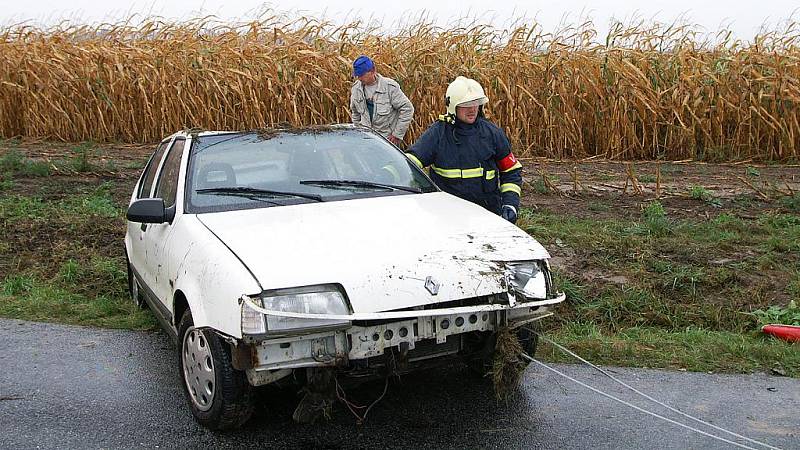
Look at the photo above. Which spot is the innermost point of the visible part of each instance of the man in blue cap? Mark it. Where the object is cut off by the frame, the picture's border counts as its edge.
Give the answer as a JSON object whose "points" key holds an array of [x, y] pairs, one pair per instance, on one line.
{"points": [[378, 102]]}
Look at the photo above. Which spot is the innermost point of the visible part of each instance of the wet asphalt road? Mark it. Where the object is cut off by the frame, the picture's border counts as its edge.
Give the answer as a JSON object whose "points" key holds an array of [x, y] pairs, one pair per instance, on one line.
{"points": [[74, 387]]}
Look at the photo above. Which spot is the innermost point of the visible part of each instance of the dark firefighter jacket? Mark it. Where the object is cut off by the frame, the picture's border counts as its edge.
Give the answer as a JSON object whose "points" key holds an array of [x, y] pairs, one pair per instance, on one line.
{"points": [[471, 161]]}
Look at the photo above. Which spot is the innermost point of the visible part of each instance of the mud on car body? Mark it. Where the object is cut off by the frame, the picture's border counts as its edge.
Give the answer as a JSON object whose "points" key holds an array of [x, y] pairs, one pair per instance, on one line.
{"points": [[295, 255]]}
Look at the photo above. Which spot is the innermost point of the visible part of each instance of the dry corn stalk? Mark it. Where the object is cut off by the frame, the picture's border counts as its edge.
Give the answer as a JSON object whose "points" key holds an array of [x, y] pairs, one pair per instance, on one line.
{"points": [[631, 175], [658, 179], [641, 92], [757, 190]]}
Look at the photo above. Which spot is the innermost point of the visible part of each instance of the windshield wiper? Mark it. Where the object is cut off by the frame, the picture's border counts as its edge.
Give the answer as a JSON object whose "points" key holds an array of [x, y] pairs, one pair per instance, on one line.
{"points": [[360, 183], [251, 191]]}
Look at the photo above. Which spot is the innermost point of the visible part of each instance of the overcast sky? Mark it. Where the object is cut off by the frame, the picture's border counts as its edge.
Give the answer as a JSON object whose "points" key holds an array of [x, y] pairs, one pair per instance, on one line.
{"points": [[743, 17]]}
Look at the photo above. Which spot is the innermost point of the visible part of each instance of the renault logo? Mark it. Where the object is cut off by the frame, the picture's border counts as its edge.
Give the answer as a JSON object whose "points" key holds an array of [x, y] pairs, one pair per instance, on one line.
{"points": [[432, 285]]}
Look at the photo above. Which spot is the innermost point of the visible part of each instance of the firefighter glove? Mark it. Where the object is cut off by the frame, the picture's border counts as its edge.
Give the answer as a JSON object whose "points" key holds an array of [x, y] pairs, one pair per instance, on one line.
{"points": [[509, 213]]}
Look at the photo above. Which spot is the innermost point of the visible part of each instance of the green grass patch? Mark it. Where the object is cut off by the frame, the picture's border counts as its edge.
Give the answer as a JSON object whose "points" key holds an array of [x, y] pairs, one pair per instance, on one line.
{"points": [[705, 276], [692, 349], [80, 162], [701, 193], [571, 286], [73, 208], [791, 203], [654, 221], [788, 315], [605, 177], [14, 163], [647, 178], [28, 298], [68, 265], [599, 207], [6, 183]]}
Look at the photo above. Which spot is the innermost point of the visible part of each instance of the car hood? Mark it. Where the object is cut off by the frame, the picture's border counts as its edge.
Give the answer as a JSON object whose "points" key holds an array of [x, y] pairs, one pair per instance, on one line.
{"points": [[380, 249]]}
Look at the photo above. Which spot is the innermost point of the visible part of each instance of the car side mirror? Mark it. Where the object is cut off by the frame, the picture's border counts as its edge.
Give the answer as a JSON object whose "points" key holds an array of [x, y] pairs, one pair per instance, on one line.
{"points": [[149, 210]]}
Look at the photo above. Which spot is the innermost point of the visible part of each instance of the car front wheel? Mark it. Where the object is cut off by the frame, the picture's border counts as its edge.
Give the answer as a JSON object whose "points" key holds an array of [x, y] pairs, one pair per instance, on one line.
{"points": [[219, 395]]}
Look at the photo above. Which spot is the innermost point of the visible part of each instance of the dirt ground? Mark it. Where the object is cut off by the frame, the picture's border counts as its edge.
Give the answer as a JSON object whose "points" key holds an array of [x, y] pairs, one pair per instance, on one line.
{"points": [[604, 188], [585, 188]]}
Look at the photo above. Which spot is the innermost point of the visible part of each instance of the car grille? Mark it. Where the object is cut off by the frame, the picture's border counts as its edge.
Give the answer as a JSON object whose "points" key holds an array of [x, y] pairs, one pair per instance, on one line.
{"points": [[429, 348], [472, 301], [423, 350]]}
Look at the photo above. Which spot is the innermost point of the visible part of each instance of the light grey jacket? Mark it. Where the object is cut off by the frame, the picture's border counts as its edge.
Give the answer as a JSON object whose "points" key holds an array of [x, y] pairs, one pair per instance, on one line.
{"points": [[393, 110]]}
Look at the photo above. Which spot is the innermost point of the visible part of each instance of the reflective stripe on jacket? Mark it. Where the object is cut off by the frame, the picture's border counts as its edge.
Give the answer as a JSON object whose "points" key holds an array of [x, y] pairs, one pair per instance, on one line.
{"points": [[473, 162], [393, 110]]}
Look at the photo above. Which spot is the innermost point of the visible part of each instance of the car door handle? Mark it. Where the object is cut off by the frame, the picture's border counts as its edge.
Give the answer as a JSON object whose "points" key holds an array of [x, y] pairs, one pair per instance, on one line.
{"points": [[144, 227]]}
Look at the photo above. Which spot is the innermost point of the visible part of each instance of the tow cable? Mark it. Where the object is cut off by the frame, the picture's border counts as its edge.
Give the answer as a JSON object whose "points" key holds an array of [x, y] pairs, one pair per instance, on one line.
{"points": [[604, 372]]}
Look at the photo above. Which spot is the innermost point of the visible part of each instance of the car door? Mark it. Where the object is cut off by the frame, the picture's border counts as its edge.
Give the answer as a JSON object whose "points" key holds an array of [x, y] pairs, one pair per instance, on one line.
{"points": [[157, 235], [144, 189]]}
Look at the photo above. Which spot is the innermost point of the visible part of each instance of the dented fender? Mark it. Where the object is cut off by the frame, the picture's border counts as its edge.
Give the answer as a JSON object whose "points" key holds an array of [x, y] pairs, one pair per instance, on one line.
{"points": [[211, 278]]}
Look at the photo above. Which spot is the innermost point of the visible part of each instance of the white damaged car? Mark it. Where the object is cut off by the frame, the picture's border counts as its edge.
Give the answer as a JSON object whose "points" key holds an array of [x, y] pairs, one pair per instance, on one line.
{"points": [[303, 255]]}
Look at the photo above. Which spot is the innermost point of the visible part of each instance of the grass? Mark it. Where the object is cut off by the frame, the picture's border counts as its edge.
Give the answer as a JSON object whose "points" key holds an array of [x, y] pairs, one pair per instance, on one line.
{"points": [[74, 208], [14, 163], [792, 203], [701, 193], [788, 315], [69, 266], [80, 161], [693, 349], [599, 207], [58, 300], [584, 95], [647, 178], [692, 293]]}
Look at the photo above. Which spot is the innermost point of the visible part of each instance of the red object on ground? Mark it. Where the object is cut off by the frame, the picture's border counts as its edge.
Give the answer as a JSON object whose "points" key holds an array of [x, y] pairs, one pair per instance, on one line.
{"points": [[785, 332]]}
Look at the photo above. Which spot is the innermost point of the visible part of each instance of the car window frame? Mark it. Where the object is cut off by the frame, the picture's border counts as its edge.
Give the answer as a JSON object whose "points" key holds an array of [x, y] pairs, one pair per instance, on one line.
{"points": [[150, 166], [189, 208], [160, 174]]}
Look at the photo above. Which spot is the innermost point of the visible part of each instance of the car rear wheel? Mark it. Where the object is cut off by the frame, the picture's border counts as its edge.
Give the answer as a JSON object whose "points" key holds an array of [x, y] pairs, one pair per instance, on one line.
{"points": [[219, 396], [134, 289]]}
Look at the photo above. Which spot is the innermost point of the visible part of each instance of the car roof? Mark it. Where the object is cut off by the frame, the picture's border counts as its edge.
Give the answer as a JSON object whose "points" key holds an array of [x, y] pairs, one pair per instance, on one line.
{"points": [[317, 128]]}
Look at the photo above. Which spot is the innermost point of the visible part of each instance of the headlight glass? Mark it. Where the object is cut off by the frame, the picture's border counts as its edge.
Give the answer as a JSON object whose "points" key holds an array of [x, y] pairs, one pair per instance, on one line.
{"points": [[310, 300], [253, 321], [528, 279]]}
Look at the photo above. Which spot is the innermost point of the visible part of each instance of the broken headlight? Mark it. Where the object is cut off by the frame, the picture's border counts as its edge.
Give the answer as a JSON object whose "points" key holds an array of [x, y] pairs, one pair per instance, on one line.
{"points": [[325, 299], [528, 278]]}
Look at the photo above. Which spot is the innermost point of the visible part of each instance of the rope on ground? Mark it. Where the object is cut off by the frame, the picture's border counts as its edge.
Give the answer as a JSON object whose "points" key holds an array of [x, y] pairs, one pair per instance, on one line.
{"points": [[636, 407], [689, 416]]}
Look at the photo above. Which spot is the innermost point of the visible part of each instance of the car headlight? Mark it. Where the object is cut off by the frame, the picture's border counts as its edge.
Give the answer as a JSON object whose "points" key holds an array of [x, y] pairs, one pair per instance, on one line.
{"points": [[529, 278], [326, 299]]}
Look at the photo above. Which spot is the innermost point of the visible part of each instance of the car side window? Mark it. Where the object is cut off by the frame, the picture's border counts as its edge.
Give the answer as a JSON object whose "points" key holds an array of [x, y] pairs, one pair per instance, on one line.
{"points": [[167, 186], [150, 171]]}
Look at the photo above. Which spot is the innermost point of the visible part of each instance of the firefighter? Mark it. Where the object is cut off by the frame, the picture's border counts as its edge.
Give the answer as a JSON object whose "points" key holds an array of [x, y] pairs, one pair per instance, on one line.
{"points": [[469, 156]]}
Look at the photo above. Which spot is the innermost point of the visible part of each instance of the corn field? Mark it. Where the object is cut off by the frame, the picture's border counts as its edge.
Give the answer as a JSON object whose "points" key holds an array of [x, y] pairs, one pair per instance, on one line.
{"points": [[641, 92]]}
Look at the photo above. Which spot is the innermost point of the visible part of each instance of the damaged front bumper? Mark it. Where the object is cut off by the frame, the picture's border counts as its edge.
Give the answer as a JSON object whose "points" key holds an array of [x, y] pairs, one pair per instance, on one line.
{"points": [[267, 358]]}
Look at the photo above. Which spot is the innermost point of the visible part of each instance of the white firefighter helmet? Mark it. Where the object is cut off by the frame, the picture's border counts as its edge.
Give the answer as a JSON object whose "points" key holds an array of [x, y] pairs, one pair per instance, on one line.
{"points": [[464, 91]]}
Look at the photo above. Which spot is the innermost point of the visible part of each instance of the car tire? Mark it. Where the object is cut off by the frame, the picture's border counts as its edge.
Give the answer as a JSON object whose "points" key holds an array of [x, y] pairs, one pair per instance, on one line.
{"points": [[134, 289], [482, 363], [219, 396], [529, 340]]}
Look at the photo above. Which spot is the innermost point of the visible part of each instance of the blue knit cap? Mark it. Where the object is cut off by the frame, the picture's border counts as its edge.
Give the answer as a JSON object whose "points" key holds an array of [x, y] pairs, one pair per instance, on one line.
{"points": [[362, 65]]}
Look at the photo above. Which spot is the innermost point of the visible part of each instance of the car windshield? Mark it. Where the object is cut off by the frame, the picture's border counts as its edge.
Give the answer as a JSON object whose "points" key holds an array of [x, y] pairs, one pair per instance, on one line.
{"points": [[286, 167]]}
